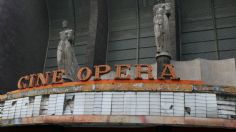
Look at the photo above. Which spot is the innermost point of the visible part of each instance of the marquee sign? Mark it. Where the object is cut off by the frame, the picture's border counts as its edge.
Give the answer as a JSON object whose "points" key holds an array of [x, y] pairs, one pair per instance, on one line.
{"points": [[84, 74]]}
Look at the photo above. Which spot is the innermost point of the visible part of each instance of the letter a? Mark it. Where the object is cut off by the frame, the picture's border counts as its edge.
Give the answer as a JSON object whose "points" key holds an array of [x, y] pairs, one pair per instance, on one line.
{"points": [[168, 73]]}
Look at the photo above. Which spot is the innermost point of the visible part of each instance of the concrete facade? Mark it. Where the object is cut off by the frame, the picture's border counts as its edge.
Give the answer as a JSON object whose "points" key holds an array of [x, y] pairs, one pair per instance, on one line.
{"points": [[213, 72]]}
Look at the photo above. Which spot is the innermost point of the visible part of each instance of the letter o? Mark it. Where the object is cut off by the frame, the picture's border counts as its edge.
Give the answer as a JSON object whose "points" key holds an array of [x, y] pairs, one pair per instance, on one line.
{"points": [[81, 76]]}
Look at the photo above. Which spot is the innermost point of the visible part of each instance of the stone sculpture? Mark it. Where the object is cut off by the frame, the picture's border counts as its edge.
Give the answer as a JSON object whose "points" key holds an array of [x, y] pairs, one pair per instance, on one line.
{"points": [[161, 27], [66, 58]]}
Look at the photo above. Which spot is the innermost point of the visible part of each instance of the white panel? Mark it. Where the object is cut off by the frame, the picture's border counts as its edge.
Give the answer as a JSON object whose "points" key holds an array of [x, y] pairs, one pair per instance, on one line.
{"points": [[129, 103], [18, 108], [106, 103], [226, 108], [24, 106], [30, 107], [118, 103], [79, 103], [178, 104], [155, 103], [142, 107], [12, 109], [6, 108], [89, 101], [60, 104], [190, 101], [52, 104], [97, 106], [69, 104], [167, 104], [211, 105], [201, 105], [37, 103], [1, 109], [226, 112]]}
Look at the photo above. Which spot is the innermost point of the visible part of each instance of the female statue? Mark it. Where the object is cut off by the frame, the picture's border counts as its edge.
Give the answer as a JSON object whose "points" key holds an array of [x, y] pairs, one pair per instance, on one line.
{"points": [[161, 26], [66, 58]]}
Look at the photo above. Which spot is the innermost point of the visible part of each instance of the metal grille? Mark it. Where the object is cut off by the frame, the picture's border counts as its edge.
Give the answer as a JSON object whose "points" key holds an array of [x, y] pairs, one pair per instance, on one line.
{"points": [[131, 37], [208, 29]]}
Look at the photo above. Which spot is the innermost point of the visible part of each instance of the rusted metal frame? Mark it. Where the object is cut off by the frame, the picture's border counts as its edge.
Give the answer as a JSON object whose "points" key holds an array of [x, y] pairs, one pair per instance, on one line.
{"points": [[138, 30], [179, 28], [46, 55], [215, 27], [108, 29]]}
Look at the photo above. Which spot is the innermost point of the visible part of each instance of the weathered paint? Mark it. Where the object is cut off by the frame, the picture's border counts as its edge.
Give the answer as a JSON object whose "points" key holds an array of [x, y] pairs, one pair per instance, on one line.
{"points": [[105, 85], [125, 85], [123, 120]]}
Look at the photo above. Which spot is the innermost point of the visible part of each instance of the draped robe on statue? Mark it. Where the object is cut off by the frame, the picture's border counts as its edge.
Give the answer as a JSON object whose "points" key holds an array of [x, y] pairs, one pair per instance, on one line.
{"points": [[66, 58], [161, 26]]}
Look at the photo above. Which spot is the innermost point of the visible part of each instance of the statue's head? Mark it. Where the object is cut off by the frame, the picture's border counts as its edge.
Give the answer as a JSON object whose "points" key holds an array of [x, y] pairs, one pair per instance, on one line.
{"points": [[161, 8], [158, 8], [64, 23], [161, 1]]}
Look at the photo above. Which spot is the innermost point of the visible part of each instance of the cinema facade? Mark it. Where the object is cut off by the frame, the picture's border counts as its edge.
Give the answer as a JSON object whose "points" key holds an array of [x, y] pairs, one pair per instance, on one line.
{"points": [[199, 93]]}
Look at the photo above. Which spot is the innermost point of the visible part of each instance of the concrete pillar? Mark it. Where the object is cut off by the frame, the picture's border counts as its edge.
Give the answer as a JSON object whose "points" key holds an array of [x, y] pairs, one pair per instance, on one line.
{"points": [[165, 57], [161, 60], [98, 29]]}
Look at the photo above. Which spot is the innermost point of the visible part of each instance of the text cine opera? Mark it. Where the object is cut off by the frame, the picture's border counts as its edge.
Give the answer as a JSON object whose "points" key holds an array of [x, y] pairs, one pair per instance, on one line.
{"points": [[85, 74]]}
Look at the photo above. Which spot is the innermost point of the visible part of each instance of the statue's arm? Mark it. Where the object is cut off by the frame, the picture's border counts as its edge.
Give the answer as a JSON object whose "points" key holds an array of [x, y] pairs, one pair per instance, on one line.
{"points": [[168, 9], [71, 36], [59, 54]]}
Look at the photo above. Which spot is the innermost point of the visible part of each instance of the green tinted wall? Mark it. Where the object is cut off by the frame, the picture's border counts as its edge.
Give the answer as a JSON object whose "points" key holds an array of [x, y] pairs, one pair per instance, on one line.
{"points": [[208, 29], [131, 36]]}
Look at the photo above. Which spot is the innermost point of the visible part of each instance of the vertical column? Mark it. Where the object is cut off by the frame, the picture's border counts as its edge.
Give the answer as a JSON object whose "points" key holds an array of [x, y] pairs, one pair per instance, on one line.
{"points": [[164, 37], [98, 31]]}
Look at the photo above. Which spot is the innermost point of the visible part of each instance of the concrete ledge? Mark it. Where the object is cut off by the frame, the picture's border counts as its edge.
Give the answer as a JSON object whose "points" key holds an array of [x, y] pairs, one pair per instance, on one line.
{"points": [[122, 120]]}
